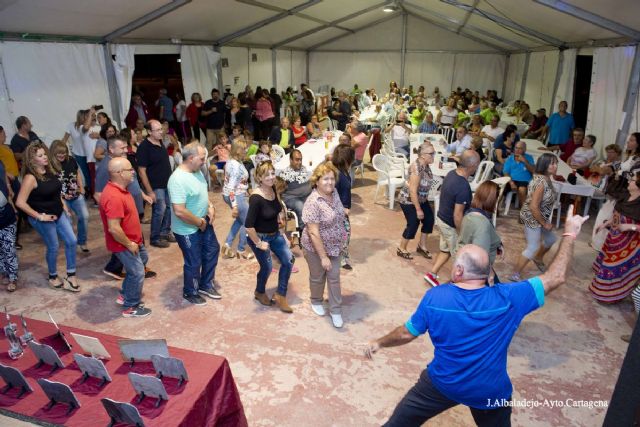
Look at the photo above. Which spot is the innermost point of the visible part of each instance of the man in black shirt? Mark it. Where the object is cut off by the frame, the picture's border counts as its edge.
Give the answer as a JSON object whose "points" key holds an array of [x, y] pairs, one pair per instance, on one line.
{"points": [[455, 199], [23, 138], [154, 169], [213, 112]]}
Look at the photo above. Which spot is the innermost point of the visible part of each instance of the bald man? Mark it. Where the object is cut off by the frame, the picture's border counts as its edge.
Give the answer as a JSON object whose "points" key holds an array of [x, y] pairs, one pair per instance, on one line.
{"points": [[471, 326], [123, 235]]}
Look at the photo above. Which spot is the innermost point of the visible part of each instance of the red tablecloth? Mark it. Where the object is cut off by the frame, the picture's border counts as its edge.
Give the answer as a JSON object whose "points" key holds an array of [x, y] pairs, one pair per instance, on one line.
{"points": [[209, 398]]}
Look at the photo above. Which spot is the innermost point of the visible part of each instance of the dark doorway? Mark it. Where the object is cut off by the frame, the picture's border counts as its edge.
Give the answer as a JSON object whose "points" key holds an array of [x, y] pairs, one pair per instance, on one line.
{"points": [[581, 90], [154, 72]]}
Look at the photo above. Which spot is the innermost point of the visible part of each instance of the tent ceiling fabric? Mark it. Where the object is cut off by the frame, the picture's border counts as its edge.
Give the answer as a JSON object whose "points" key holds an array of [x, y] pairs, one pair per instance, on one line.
{"points": [[207, 21]]}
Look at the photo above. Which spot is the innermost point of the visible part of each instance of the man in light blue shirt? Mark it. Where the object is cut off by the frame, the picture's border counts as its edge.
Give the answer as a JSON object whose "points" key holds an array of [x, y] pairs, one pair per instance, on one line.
{"points": [[462, 142], [192, 217], [519, 166], [559, 126]]}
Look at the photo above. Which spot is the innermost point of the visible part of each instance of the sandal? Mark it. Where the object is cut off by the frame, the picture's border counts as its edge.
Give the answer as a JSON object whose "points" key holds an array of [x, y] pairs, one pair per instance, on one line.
{"points": [[425, 253], [245, 255], [403, 254], [56, 283], [12, 286], [540, 265], [70, 284]]}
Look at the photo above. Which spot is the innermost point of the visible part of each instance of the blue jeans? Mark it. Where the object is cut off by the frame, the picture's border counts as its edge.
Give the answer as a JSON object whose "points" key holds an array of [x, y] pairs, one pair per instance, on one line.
{"points": [[49, 231], [200, 251], [79, 207], [133, 281], [84, 168], [160, 215], [278, 246], [238, 225], [295, 204]]}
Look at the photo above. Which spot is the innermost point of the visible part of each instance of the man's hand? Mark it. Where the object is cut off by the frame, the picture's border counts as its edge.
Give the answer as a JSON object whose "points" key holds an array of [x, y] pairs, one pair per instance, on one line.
{"points": [[512, 185], [134, 248], [234, 212], [573, 223], [152, 196], [147, 198], [203, 224], [371, 348], [212, 214]]}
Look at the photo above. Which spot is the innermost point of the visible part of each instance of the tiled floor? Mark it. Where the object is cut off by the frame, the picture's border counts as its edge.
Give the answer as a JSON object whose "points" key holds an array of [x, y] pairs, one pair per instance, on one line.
{"points": [[297, 369]]}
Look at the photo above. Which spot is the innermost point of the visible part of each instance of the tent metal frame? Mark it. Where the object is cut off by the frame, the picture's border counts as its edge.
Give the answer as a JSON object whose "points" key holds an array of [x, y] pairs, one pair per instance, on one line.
{"points": [[145, 19], [630, 99]]}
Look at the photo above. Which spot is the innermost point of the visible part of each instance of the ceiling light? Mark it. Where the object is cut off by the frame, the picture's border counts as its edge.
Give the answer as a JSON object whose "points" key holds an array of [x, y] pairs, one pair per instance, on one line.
{"points": [[391, 7]]}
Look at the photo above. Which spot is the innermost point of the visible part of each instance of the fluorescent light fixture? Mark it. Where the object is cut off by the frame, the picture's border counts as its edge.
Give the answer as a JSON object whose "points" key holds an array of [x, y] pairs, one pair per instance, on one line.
{"points": [[391, 7]]}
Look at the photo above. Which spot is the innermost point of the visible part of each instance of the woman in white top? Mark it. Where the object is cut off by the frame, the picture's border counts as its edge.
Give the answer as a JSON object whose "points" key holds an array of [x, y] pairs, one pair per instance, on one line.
{"points": [[76, 130], [583, 156], [448, 115]]}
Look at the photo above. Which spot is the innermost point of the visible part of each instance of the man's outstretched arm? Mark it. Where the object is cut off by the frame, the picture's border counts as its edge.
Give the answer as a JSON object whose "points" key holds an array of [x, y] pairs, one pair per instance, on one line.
{"points": [[399, 336]]}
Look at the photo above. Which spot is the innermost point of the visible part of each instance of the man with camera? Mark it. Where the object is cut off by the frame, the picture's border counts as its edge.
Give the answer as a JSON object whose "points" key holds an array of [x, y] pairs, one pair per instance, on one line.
{"points": [[400, 132]]}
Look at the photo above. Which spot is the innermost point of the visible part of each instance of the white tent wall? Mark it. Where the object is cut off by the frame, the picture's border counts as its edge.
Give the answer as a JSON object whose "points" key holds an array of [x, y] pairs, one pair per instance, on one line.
{"points": [[124, 67], [291, 69], [236, 74], [199, 70], [567, 79], [515, 72], [261, 71], [479, 71], [342, 69], [429, 70], [611, 69], [541, 78], [50, 82], [298, 69]]}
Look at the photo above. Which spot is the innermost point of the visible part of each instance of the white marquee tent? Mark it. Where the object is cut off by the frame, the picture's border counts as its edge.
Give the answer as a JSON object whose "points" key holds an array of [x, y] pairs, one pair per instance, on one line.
{"points": [[57, 56]]}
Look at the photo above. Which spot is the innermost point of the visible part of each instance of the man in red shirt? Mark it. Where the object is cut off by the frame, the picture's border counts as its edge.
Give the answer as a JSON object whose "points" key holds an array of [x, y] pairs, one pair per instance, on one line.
{"points": [[123, 235], [572, 144]]}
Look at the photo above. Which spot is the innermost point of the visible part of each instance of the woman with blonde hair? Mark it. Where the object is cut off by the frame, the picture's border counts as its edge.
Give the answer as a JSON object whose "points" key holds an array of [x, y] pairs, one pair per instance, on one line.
{"points": [[234, 193], [72, 190], [263, 222], [323, 240], [40, 198]]}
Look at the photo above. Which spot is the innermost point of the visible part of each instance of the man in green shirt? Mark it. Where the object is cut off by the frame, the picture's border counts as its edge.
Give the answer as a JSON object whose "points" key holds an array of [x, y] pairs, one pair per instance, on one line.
{"points": [[192, 224], [487, 113]]}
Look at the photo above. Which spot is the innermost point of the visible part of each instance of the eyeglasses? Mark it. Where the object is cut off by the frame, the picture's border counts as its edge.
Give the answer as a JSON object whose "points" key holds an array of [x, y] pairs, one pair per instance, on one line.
{"points": [[156, 130], [126, 170], [431, 153]]}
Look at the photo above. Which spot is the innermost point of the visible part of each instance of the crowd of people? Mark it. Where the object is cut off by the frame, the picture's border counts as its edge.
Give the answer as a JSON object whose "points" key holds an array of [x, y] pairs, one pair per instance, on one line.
{"points": [[167, 165]]}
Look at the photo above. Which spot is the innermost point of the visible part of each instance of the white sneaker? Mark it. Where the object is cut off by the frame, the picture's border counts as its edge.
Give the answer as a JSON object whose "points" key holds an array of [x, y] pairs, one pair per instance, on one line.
{"points": [[337, 320], [318, 309]]}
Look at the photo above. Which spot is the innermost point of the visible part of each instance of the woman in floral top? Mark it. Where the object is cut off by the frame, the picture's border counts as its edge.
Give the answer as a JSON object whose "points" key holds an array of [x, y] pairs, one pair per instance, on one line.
{"points": [[414, 203], [234, 193], [72, 189], [323, 240], [536, 215]]}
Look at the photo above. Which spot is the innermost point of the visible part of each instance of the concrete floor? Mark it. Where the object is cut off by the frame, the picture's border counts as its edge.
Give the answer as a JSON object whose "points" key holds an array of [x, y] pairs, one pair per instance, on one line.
{"points": [[298, 370]]}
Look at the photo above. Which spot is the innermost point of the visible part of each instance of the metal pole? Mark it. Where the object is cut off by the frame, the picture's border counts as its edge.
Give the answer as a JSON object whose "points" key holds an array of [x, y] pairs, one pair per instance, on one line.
{"points": [[219, 70], [523, 84], [249, 66], [504, 77], [453, 73], [403, 52], [556, 83], [274, 78], [630, 99], [114, 95], [308, 78]]}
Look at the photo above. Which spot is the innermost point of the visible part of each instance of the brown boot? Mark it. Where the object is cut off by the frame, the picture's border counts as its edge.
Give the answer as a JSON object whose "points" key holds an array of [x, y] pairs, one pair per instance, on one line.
{"points": [[262, 298], [281, 302]]}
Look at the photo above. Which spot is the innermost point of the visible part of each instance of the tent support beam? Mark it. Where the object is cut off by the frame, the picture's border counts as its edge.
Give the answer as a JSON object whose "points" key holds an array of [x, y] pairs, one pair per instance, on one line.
{"points": [[506, 22], [525, 73], [591, 18], [219, 70], [229, 37], [144, 20], [630, 99], [274, 71], [308, 78], [330, 24], [299, 15], [112, 84], [403, 52], [471, 28], [364, 27], [465, 35], [468, 15], [453, 72], [556, 83], [505, 74]]}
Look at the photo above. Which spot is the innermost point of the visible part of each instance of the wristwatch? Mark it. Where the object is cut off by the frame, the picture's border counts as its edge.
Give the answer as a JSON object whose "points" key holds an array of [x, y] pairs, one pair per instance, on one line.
{"points": [[634, 227]]}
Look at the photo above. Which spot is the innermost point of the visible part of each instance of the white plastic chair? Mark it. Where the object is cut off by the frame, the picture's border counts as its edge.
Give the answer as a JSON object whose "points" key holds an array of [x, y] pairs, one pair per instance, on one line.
{"points": [[502, 182], [279, 153], [448, 132], [389, 174], [485, 169], [557, 206], [252, 173]]}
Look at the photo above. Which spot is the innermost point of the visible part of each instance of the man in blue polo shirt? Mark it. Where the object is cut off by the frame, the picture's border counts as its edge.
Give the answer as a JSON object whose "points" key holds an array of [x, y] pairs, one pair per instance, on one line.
{"points": [[559, 126], [519, 167], [471, 326]]}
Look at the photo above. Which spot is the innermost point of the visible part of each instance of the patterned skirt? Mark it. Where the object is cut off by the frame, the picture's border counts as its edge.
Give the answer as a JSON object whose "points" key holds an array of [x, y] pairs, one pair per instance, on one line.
{"points": [[617, 267]]}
